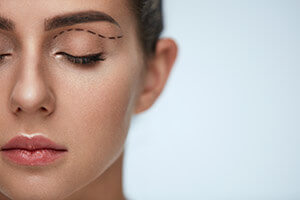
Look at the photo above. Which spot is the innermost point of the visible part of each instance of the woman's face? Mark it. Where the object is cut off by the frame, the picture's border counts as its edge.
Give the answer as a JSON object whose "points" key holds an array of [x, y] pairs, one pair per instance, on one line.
{"points": [[86, 108]]}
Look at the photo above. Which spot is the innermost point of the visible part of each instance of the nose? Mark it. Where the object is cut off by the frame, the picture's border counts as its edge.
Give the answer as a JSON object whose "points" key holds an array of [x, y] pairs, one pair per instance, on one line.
{"points": [[31, 95]]}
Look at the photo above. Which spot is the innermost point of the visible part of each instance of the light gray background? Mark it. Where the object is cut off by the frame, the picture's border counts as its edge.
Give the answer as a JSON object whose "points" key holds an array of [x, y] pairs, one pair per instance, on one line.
{"points": [[227, 125]]}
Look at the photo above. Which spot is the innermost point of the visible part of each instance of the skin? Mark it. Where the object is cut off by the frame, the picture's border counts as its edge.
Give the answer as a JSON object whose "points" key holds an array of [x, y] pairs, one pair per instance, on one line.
{"points": [[86, 109]]}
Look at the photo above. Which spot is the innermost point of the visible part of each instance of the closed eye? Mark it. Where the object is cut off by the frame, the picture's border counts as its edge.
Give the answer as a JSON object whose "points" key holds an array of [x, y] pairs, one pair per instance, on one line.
{"points": [[83, 60], [4, 55]]}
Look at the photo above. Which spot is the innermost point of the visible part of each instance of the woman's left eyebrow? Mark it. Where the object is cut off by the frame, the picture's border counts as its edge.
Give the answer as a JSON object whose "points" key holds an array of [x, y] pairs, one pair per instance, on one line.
{"points": [[76, 18]]}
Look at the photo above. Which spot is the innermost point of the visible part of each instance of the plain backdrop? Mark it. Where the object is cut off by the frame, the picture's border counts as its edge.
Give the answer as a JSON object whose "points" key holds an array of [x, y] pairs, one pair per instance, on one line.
{"points": [[227, 124]]}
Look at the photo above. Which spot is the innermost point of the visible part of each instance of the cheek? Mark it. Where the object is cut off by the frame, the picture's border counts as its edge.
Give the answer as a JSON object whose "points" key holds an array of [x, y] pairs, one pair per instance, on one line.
{"points": [[104, 112], [97, 117]]}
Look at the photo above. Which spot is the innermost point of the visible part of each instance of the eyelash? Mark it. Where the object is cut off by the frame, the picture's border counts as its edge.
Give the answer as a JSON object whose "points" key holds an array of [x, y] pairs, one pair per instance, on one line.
{"points": [[2, 56], [83, 60], [78, 60]]}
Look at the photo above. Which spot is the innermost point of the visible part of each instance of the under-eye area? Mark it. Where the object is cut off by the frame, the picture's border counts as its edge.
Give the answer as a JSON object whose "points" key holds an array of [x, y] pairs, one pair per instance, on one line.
{"points": [[89, 31]]}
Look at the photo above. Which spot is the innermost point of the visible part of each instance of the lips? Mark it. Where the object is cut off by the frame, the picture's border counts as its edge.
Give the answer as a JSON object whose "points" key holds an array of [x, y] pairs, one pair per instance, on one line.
{"points": [[31, 144], [32, 151]]}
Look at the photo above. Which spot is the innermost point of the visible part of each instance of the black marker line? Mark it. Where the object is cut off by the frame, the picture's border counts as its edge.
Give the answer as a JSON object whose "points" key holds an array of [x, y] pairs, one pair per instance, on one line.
{"points": [[91, 32], [79, 29], [101, 36]]}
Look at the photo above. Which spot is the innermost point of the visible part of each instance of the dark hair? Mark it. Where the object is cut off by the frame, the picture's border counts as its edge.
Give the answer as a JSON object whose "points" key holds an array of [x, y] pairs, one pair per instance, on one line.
{"points": [[150, 22]]}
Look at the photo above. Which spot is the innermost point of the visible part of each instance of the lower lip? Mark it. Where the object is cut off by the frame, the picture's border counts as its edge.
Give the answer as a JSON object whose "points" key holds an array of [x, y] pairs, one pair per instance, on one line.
{"points": [[33, 158]]}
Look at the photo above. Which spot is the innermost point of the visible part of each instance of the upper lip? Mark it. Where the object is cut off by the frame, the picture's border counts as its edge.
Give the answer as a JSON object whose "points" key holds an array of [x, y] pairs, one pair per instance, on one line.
{"points": [[33, 143]]}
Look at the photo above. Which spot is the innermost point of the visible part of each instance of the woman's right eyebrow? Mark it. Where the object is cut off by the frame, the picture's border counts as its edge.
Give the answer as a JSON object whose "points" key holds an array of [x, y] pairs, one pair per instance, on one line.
{"points": [[64, 20], [76, 18], [6, 24]]}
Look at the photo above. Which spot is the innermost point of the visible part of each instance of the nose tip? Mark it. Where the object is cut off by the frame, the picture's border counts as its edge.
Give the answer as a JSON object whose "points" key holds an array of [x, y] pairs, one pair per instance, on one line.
{"points": [[32, 98]]}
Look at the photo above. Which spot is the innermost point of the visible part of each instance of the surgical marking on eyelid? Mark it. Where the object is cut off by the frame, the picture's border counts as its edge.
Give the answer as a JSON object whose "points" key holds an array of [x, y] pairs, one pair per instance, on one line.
{"points": [[101, 36], [91, 32], [88, 31]]}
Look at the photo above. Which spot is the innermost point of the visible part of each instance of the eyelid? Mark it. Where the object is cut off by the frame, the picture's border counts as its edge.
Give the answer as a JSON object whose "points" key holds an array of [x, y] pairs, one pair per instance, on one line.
{"points": [[2, 56], [89, 59], [89, 31], [84, 56], [6, 54]]}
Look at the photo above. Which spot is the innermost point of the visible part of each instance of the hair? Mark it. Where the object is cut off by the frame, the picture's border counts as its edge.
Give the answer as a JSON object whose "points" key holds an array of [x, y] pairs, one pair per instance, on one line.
{"points": [[149, 22]]}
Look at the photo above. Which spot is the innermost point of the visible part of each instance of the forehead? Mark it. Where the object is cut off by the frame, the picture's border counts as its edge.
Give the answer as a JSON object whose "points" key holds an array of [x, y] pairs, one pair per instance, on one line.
{"points": [[34, 13]]}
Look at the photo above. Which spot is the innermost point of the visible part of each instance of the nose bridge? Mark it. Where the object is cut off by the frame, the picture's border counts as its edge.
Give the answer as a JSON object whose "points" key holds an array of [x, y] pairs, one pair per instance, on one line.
{"points": [[31, 94]]}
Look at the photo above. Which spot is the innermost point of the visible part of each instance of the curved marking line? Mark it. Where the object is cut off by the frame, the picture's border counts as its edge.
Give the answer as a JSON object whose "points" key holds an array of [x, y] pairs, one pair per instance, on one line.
{"points": [[79, 29], [101, 36], [91, 32]]}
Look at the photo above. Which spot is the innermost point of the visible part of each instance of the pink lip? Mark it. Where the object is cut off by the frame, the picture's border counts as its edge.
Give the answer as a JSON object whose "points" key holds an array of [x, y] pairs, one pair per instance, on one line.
{"points": [[37, 150]]}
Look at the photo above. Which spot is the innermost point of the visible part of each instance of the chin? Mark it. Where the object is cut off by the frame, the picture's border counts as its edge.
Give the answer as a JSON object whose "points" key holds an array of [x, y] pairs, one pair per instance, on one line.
{"points": [[34, 188]]}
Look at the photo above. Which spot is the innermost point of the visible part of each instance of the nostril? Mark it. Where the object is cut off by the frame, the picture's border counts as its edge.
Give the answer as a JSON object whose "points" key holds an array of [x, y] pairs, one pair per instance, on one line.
{"points": [[44, 109]]}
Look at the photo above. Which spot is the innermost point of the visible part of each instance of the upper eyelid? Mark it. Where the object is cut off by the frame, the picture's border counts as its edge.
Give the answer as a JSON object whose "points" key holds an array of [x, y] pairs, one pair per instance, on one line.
{"points": [[88, 31], [82, 56], [6, 54], [94, 58]]}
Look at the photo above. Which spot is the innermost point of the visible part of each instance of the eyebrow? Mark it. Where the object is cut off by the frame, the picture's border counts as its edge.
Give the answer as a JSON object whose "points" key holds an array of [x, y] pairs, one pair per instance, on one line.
{"points": [[76, 18], [6, 24]]}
